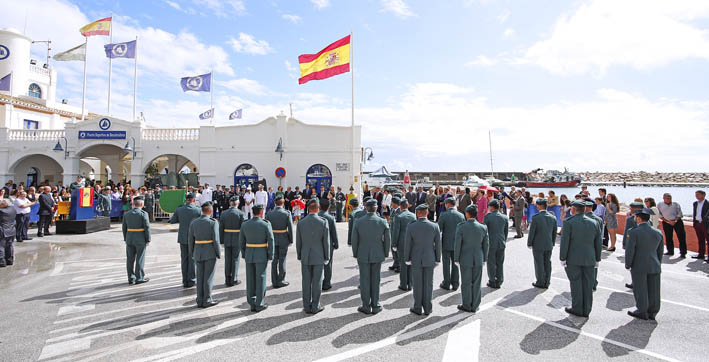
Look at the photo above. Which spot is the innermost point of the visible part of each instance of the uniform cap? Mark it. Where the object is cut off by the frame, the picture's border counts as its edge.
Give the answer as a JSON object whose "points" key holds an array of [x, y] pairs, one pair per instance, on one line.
{"points": [[189, 196], [541, 201], [207, 203], [422, 207], [138, 198], [494, 203], [645, 211], [578, 203], [278, 197], [234, 199], [371, 202], [472, 209], [637, 205], [588, 203], [395, 200], [354, 201], [450, 200], [257, 208]]}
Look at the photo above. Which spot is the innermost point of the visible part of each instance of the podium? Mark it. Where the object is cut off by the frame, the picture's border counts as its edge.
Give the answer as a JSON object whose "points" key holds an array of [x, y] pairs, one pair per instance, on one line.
{"points": [[82, 218]]}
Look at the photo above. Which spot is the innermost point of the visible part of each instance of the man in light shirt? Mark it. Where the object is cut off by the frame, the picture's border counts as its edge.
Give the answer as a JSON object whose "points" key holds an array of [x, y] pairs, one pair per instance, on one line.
{"points": [[671, 217], [261, 197], [22, 218], [206, 194], [248, 202]]}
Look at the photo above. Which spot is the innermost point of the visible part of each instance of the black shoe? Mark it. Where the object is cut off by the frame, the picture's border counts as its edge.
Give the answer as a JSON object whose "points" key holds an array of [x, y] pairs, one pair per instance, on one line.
{"points": [[427, 312], [414, 311], [48, 234], [571, 311], [669, 254], [188, 285], [611, 249], [464, 308], [40, 235], [130, 282], [397, 270], [145, 280], [28, 238], [307, 311], [539, 286], [364, 311], [276, 286], [376, 310], [327, 287], [318, 310], [211, 304], [392, 268], [19, 241], [228, 285], [651, 317], [637, 314], [454, 288], [698, 256], [259, 309], [629, 285], [237, 282], [682, 256], [445, 287], [518, 236], [403, 288]]}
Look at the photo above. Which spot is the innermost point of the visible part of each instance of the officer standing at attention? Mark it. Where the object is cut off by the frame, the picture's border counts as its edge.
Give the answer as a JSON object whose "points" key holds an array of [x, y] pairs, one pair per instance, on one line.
{"points": [[629, 225], [423, 252], [282, 224], [184, 216], [471, 247], [334, 243], [371, 241], [590, 205], [402, 221], [203, 242], [580, 253], [643, 257], [136, 234], [104, 201], [497, 228], [7, 232], [357, 211], [448, 222], [230, 222], [541, 238], [256, 241], [395, 205], [312, 244]]}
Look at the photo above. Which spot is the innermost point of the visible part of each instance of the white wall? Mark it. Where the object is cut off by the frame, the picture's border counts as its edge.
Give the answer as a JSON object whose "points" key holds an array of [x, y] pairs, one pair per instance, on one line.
{"points": [[48, 169]]}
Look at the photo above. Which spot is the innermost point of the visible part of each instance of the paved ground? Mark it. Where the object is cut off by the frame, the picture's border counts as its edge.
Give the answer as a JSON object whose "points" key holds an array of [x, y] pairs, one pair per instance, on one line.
{"points": [[66, 299]]}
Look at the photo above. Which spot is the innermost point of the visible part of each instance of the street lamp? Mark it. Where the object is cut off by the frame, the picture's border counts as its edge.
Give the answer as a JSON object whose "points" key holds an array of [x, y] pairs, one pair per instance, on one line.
{"points": [[58, 147], [128, 148], [279, 148], [371, 154]]}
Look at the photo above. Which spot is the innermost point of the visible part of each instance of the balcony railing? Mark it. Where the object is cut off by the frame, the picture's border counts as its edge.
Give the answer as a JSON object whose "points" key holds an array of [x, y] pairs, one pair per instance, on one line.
{"points": [[34, 134], [171, 134]]}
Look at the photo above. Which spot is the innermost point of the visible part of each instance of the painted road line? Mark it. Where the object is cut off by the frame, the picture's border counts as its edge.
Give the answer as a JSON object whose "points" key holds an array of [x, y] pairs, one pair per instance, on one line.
{"points": [[58, 267], [463, 343], [74, 308], [94, 270], [183, 352]]}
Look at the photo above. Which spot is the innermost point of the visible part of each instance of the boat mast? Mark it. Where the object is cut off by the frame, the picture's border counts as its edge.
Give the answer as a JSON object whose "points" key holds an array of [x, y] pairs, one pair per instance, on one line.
{"points": [[492, 172]]}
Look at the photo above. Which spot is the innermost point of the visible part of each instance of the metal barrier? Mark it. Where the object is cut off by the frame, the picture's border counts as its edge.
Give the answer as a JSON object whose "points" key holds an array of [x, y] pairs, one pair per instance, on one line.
{"points": [[158, 213]]}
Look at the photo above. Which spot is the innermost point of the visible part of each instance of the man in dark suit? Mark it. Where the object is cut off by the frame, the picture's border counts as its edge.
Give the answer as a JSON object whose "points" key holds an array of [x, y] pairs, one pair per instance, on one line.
{"points": [[46, 210], [411, 198], [420, 196], [379, 196], [700, 216]]}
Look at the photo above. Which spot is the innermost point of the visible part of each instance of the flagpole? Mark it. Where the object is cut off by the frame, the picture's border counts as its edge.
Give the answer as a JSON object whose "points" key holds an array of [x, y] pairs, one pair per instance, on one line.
{"points": [[211, 95], [83, 92], [12, 104], [135, 76], [352, 121], [110, 66]]}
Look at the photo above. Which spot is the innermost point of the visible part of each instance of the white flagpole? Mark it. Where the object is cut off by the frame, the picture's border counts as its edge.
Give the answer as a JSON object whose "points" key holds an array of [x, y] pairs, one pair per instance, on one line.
{"points": [[211, 95], [110, 67], [135, 76], [359, 191], [12, 104], [83, 92]]}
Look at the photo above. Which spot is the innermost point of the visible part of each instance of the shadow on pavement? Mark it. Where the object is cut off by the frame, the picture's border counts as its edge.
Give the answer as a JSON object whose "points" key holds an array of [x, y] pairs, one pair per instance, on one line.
{"points": [[318, 328], [618, 301], [547, 337], [635, 333], [374, 332]]}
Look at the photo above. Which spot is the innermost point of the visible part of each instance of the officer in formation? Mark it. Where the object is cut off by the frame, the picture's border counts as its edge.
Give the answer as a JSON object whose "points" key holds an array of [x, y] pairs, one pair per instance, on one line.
{"points": [[471, 248], [203, 243], [7, 232], [541, 238], [104, 201], [422, 250], [256, 241], [230, 221], [580, 254], [282, 224], [395, 210], [184, 216], [334, 243], [497, 228], [590, 205], [629, 225], [448, 222], [136, 234], [357, 212], [643, 257], [312, 245], [402, 220], [371, 241]]}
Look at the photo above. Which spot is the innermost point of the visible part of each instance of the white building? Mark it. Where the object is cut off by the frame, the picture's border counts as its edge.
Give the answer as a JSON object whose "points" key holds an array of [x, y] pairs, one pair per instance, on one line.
{"points": [[102, 147]]}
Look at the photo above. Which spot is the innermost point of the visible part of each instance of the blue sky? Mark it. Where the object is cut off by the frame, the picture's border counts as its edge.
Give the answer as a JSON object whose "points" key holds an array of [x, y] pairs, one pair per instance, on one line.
{"points": [[591, 85]]}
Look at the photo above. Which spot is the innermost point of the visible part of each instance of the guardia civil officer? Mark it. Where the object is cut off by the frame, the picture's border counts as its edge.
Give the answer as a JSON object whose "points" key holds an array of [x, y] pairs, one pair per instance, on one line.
{"points": [[357, 212], [402, 220], [580, 253], [590, 205], [629, 225], [371, 241], [643, 257], [184, 216], [423, 252], [230, 222], [282, 224], [312, 244], [136, 234], [334, 243], [497, 228], [256, 241], [471, 248], [541, 239], [203, 242], [448, 222], [104, 201], [395, 210]]}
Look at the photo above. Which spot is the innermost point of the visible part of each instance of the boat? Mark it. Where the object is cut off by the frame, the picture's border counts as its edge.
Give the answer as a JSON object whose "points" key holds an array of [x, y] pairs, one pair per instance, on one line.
{"points": [[424, 183], [552, 178], [474, 181]]}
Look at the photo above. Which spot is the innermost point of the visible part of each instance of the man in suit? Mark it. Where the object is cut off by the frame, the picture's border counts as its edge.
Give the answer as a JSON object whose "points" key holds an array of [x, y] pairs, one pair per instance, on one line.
{"points": [[184, 216], [398, 243], [136, 234], [395, 210], [643, 257], [518, 208], [356, 213], [420, 197], [371, 241], [471, 248], [323, 193], [541, 238], [46, 210], [312, 245], [230, 222], [580, 253], [497, 228], [256, 242], [282, 225], [203, 242], [334, 243], [79, 183], [422, 251], [431, 202], [464, 201], [448, 222], [7, 233], [379, 196], [700, 218], [411, 198]]}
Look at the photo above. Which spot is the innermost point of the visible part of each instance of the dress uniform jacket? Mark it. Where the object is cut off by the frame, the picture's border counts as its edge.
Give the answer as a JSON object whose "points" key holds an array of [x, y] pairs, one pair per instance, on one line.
{"points": [[184, 216], [643, 256], [256, 231], [629, 225], [312, 244], [448, 222], [371, 239], [398, 240], [497, 229], [282, 225], [423, 251], [136, 233], [203, 243], [581, 249], [230, 222], [541, 238], [355, 214], [104, 204], [334, 244], [471, 248]]}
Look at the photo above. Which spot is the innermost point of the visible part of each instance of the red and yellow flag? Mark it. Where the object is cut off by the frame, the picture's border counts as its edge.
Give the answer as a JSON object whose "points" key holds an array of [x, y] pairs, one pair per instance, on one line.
{"points": [[98, 27], [331, 61], [86, 197]]}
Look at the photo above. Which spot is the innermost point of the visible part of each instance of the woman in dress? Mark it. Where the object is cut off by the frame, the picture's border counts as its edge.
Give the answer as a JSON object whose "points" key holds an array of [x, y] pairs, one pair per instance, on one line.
{"points": [[611, 219]]}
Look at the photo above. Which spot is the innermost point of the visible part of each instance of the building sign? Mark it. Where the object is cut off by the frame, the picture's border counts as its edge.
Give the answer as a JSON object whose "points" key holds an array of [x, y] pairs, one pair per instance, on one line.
{"points": [[104, 124], [342, 166], [102, 135], [4, 52]]}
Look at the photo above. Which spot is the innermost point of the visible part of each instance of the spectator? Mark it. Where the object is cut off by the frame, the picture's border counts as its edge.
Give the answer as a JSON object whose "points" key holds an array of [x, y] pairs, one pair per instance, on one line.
{"points": [[22, 216], [610, 220], [671, 217], [652, 205], [700, 221]]}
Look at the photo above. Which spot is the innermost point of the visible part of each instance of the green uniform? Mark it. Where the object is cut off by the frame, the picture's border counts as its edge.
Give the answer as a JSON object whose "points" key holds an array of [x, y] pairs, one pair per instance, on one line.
{"points": [[104, 204], [229, 228], [398, 240], [282, 224], [598, 221], [355, 214], [643, 256], [581, 250], [256, 242], [448, 222], [334, 244], [74, 186], [136, 234], [423, 251], [471, 248], [184, 216], [312, 245], [629, 224], [541, 238], [371, 240], [394, 254], [203, 243], [497, 228]]}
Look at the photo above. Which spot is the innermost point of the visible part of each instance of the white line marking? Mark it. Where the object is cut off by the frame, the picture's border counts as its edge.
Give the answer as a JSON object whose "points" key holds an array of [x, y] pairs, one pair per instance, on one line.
{"points": [[463, 343], [183, 352], [69, 309], [57, 269], [69, 346]]}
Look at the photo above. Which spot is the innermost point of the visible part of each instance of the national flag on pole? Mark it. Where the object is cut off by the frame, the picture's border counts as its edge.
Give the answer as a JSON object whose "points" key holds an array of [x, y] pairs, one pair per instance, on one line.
{"points": [[207, 115], [120, 50], [98, 27], [6, 81], [200, 83], [75, 53], [86, 197], [236, 114], [331, 61]]}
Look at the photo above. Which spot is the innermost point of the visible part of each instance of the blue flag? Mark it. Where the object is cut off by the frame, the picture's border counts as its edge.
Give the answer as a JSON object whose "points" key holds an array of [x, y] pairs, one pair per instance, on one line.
{"points": [[207, 115], [200, 83], [120, 50], [5, 82], [236, 114]]}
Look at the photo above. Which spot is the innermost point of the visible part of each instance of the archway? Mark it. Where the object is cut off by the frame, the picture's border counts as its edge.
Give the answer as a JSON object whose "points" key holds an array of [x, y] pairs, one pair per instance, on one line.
{"points": [[245, 175], [36, 169], [171, 170], [32, 177], [102, 156], [318, 175]]}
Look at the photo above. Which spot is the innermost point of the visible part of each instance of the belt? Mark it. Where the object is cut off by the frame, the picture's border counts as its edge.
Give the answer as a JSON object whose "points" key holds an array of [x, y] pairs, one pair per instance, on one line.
{"points": [[256, 245], [203, 241], [280, 231], [136, 230], [232, 230]]}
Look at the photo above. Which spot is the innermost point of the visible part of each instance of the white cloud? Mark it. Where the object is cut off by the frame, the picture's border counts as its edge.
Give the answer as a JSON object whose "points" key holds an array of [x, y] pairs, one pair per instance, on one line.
{"points": [[397, 7], [223, 8], [247, 44], [320, 4], [245, 86], [295, 19], [508, 32], [292, 70], [504, 15], [481, 60]]}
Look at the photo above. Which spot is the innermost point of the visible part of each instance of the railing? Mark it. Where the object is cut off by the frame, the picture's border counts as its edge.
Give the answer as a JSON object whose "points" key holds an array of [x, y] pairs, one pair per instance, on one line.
{"points": [[171, 134], [39, 70], [34, 134]]}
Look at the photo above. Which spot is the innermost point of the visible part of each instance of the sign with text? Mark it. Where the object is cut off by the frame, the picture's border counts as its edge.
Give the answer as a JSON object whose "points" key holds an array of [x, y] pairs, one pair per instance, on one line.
{"points": [[342, 166], [102, 135]]}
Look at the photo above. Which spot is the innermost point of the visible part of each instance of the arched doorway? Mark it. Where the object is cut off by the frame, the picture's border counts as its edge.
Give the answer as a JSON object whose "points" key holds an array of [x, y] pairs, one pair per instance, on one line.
{"points": [[32, 177], [171, 170], [245, 175], [36, 169], [318, 175], [96, 158]]}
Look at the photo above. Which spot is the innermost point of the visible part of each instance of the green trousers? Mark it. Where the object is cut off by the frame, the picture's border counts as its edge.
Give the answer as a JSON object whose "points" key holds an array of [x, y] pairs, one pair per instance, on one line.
{"points": [[278, 265], [646, 290], [451, 276], [231, 264], [205, 281], [404, 272], [255, 284], [135, 261], [327, 281], [369, 279], [422, 278], [495, 266], [542, 267], [581, 279], [312, 286], [187, 264], [471, 277]]}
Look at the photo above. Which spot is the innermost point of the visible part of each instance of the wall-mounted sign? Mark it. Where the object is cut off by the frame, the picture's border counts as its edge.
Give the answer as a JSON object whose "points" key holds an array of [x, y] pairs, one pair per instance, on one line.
{"points": [[280, 172], [4, 52], [102, 135], [342, 166], [104, 124]]}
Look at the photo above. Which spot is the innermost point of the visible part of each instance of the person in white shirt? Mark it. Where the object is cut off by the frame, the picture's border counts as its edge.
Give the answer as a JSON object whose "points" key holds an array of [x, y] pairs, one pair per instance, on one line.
{"points": [[248, 202], [206, 194], [261, 197], [22, 218]]}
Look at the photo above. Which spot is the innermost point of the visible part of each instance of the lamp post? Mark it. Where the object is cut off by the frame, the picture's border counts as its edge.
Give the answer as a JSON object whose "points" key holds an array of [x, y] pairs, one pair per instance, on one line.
{"points": [[130, 149], [279, 148], [366, 158], [58, 147]]}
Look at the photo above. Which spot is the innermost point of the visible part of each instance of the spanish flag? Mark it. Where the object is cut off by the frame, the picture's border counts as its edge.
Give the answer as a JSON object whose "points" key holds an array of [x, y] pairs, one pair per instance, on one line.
{"points": [[331, 61], [86, 197], [98, 27]]}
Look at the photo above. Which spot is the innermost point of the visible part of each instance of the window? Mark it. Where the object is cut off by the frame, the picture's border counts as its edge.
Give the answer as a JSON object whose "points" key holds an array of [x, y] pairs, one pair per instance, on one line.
{"points": [[30, 124], [35, 91]]}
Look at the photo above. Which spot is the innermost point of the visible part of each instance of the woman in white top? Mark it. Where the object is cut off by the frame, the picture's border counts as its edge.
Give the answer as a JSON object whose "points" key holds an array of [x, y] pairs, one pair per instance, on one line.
{"points": [[650, 204], [386, 204]]}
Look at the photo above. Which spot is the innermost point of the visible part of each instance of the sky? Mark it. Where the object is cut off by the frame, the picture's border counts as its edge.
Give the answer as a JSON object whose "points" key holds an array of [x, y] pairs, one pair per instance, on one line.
{"points": [[592, 85]]}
